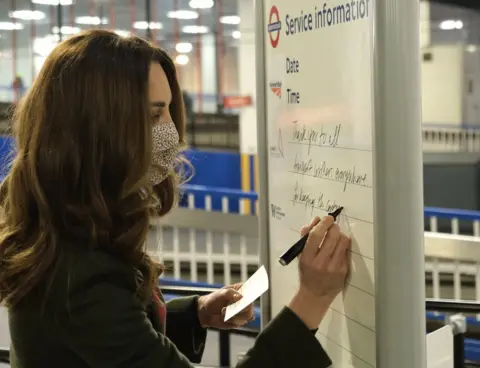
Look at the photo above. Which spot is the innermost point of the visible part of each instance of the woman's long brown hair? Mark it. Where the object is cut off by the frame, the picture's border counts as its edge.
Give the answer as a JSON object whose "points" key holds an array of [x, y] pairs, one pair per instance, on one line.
{"points": [[83, 149]]}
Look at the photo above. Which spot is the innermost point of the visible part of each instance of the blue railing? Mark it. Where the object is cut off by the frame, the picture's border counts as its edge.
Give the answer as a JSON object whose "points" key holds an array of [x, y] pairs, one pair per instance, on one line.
{"points": [[472, 346], [201, 191], [448, 213], [435, 126]]}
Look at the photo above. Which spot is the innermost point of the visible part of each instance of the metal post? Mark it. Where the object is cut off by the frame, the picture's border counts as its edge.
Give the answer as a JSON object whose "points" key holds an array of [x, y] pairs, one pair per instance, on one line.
{"points": [[399, 256], [262, 149], [148, 13], [60, 20], [224, 347]]}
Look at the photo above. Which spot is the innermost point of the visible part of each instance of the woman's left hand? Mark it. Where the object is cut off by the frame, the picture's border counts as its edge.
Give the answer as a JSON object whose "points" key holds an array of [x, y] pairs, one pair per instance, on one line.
{"points": [[211, 309]]}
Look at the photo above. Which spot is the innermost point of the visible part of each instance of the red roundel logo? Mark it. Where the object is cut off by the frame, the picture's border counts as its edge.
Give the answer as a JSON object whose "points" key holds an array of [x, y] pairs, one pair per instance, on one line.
{"points": [[274, 26]]}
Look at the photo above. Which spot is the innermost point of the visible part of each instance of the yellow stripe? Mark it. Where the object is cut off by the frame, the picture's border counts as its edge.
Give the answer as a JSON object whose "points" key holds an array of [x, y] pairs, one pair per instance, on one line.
{"points": [[256, 179], [245, 173]]}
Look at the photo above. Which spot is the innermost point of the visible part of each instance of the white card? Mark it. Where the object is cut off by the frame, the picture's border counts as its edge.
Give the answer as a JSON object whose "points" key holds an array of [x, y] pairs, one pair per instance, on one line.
{"points": [[440, 348], [251, 290]]}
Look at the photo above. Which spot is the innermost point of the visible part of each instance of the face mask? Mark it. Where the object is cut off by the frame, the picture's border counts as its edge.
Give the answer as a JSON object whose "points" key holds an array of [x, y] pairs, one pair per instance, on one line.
{"points": [[164, 151]]}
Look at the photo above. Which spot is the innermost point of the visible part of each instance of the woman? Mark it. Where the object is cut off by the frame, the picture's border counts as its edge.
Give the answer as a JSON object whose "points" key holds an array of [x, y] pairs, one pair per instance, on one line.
{"points": [[97, 146]]}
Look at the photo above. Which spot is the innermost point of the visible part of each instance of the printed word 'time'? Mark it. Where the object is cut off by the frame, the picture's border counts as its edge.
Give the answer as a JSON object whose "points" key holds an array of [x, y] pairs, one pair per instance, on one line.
{"points": [[293, 97]]}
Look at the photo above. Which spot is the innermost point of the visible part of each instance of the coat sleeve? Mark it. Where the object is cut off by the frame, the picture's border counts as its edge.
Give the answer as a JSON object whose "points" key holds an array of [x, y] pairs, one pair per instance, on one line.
{"points": [[184, 329], [108, 327], [286, 342]]}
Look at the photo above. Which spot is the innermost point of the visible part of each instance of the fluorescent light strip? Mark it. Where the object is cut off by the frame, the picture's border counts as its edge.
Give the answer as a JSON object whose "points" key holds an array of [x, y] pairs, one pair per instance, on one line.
{"points": [[89, 20], [183, 47], [201, 4], [27, 14], [195, 29], [182, 59], [10, 26], [53, 2], [144, 25], [230, 19], [182, 14]]}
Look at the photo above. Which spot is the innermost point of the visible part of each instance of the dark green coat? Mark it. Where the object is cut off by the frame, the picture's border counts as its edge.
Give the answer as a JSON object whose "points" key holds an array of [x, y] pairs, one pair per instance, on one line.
{"points": [[92, 318]]}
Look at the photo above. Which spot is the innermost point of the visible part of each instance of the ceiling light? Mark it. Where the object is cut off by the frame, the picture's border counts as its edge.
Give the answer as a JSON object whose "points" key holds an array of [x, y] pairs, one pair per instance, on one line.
{"points": [[183, 47], [195, 29], [91, 21], [230, 19], [236, 34], [9, 26], [471, 48], [451, 24], [201, 4], [52, 2], [145, 25], [182, 59], [183, 14], [66, 30], [122, 32], [27, 14]]}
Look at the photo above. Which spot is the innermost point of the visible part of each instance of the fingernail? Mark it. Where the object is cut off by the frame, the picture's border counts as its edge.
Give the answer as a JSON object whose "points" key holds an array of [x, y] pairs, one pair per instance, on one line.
{"points": [[224, 310], [238, 296]]}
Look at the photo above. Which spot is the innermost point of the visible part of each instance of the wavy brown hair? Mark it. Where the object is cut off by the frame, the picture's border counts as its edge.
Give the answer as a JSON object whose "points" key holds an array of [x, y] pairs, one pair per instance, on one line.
{"points": [[83, 150]]}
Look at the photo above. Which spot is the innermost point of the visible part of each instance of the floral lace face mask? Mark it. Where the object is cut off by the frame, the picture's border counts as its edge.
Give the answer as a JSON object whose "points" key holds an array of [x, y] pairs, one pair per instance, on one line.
{"points": [[164, 151]]}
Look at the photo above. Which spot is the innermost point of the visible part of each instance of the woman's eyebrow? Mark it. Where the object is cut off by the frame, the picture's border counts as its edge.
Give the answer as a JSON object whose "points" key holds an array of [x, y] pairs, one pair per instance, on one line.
{"points": [[160, 104]]}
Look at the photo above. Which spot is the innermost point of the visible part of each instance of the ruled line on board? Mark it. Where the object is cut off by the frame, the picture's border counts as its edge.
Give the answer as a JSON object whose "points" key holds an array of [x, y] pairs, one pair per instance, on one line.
{"points": [[344, 348], [362, 290], [325, 210], [336, 147], [352, 251], [353, 320], [324, 177]]}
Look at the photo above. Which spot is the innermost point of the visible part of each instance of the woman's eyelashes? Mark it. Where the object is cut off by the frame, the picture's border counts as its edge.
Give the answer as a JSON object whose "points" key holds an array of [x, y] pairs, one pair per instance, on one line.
{"points": [[156, 118]]}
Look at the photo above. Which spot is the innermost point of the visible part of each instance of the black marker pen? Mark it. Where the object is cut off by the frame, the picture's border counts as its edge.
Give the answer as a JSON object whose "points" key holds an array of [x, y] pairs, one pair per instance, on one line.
{"points": [[297, 248]]}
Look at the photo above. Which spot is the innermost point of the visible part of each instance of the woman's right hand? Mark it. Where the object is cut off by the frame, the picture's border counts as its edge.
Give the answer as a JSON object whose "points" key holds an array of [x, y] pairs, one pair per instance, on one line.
{"points": [[324, 267]]}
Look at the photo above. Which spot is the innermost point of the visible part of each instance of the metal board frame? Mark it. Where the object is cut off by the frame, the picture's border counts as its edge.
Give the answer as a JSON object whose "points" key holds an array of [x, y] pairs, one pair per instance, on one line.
{"points": [[262, 151], [398, 193]]}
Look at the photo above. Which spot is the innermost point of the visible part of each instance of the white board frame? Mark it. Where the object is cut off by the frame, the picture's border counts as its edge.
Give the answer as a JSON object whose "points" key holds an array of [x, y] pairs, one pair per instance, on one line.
{"points": [[399, 262]]}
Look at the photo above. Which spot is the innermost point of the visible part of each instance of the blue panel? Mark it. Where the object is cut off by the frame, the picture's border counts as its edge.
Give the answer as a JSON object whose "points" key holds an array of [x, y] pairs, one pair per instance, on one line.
{"points": [[7, 147], [217, 170]]}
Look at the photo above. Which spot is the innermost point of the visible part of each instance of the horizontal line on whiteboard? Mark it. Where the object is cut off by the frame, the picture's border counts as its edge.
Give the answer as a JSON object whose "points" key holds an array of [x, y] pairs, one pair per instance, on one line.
{"points": [[344, 348], [353, 320], [362, 290], [324, 210], [324, 177], [358, 254], [336, 147]]}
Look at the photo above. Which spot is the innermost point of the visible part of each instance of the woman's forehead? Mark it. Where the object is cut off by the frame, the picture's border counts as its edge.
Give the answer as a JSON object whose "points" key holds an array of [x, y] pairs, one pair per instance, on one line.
{"points": [[159, 89]]}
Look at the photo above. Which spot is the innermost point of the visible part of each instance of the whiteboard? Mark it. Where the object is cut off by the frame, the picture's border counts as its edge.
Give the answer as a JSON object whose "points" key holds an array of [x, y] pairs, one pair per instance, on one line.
{"points": [[317, 93], [321, 157]]}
